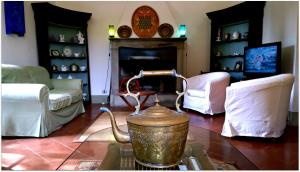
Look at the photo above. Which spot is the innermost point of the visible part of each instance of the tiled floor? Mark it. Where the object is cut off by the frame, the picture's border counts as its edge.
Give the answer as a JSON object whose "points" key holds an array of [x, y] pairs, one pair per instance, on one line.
{"points": [[51, 152]]}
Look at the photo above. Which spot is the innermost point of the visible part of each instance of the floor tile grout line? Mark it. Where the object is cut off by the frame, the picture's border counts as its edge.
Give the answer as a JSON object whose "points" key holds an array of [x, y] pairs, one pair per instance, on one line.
{"points": [[53, 139], [68, 157], [79, 143], [27, 147]]}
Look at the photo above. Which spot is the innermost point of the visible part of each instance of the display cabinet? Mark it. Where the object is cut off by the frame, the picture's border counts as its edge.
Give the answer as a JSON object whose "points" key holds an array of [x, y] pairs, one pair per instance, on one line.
{"points": [[232, 29], [62, 43]]}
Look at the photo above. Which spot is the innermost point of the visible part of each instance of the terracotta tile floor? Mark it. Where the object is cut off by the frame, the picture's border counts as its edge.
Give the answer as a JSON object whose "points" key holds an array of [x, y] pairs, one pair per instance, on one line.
{"points": [[51, 152]]}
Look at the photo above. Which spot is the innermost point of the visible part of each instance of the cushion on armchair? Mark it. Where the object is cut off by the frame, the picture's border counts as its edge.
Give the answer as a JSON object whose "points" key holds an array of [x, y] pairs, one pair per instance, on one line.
{"points": [[196, 93], [59, 99], [25, 74], [14, 74], [39, 75]]}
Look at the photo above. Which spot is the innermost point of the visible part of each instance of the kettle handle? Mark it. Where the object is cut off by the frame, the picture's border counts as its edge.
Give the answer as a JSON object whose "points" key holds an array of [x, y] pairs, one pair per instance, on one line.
{"points": [[155, 73]]}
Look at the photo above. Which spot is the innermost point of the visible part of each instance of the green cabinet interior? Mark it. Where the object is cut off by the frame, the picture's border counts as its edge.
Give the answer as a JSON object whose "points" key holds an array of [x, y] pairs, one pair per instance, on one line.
{"points": [[52, 22], [227, 53]]}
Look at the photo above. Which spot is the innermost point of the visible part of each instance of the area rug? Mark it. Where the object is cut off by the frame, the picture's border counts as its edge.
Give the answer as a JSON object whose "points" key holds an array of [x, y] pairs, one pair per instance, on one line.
{"points": [[102, 122], [101, 130]]}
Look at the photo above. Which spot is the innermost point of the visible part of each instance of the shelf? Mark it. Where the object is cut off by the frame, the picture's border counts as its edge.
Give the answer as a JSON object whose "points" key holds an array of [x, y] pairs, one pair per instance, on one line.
{"points": [[231, 41], [230, 56], [234, 22], [58, 33], [66, 43], [68, 58], [58, 72], [228, 71], [145, 60]]}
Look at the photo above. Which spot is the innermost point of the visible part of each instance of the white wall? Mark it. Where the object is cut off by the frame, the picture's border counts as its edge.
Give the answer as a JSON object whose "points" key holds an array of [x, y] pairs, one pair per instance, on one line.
{"points": [[19, 50], [281, 24]]}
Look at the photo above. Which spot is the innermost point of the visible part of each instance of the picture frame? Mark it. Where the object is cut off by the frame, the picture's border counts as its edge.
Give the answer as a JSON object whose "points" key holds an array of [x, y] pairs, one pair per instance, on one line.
{"points": [[55, 53]]}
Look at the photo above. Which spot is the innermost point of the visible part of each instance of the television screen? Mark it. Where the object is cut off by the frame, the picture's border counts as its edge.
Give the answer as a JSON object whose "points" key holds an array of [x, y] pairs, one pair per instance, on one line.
{"points": [[263, 59]]}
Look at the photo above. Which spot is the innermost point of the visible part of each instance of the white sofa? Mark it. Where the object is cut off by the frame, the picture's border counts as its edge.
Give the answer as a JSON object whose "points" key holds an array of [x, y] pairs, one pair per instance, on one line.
{"points": [[206, 92], [258, 107], [35, 105]]}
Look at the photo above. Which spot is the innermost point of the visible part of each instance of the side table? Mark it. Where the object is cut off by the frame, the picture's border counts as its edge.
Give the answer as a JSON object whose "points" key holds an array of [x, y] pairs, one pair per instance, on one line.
{"points": [[144, 93]]}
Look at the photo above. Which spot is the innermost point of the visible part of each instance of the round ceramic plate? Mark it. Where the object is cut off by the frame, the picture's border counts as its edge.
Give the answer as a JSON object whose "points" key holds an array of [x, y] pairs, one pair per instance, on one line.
{"points": [[124, 31], [67, 51], [165, 30], [144, 22]]}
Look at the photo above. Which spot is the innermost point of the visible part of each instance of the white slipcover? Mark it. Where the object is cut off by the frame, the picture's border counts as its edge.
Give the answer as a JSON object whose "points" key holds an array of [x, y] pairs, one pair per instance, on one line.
{"points": [[26, 107], [258, 107], [206, 92]]}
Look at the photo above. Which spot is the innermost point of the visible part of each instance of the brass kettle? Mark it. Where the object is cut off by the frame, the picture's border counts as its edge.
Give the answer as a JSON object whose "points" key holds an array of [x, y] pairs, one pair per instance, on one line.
{"points": [[158, 134]]}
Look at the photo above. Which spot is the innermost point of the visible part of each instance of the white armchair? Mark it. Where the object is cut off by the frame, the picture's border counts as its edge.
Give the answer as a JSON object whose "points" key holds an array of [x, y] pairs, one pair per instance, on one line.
{"points": [[258, 107], [206, 92], [35, 105]]}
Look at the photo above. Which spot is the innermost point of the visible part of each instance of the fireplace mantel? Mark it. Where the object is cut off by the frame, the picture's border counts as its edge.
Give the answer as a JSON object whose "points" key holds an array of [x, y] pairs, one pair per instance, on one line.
{"points": [[116, 43]]}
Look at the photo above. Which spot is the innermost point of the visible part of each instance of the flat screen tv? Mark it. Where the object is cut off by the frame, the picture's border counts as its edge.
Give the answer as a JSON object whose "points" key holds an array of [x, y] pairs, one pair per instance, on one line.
{"points": [[262, 60]]}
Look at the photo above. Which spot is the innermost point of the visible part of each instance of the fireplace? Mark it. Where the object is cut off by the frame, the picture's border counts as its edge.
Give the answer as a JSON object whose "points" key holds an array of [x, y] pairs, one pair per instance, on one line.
{"points": [[129, 56], [133, 60]]}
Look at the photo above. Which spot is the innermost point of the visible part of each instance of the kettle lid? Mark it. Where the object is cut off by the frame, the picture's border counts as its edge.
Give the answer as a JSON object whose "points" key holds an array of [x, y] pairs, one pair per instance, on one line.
{"points": [[158, 116]]}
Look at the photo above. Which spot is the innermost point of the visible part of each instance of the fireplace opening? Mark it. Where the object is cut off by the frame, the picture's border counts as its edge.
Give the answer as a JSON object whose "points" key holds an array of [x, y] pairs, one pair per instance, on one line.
{"points": [[132, 60]]}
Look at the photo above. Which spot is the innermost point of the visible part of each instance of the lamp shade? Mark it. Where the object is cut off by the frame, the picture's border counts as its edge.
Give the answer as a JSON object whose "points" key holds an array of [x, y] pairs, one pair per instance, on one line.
{"points": [[111, 30], [182, 30]]}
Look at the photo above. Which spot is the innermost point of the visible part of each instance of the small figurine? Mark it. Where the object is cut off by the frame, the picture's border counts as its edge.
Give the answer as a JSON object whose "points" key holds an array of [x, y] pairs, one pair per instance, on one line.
{"points": [[64, 68], [219, 35], [61, 38], [80, 37], [70, 77], [54, 68], [59, 77]]}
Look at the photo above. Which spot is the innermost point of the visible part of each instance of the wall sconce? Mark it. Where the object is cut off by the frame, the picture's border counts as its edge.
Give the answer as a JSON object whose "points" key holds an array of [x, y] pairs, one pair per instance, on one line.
{"points": [[111, 31], [182, 30]]}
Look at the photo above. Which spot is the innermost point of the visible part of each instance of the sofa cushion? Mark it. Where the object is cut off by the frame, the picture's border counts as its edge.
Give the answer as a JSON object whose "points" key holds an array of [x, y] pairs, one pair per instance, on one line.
{"points": [[39, 75], [25, 74], [75, 94], [196, 93], [14, 74], [59, 100]]}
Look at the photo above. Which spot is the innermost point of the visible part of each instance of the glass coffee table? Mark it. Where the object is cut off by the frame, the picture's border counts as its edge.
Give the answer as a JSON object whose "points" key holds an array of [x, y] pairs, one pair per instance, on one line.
{"points": [[105, 154]]}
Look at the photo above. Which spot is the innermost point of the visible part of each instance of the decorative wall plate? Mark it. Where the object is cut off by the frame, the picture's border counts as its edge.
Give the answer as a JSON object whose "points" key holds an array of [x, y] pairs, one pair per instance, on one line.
{"points": [[124, 31], [67, 51], [165, 30], [144, 22]]}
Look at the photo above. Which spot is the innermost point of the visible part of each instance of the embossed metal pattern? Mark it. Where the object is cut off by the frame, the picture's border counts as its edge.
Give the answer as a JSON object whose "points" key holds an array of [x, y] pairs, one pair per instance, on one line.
{"points": [[158, 147], [145, 22], [158, 116]]}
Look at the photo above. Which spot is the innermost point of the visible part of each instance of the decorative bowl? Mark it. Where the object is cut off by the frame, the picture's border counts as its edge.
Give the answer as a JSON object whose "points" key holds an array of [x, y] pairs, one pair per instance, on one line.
{"points": [[165, 30], [76, 54], [236, 35], [82, 68], [124, 31]]}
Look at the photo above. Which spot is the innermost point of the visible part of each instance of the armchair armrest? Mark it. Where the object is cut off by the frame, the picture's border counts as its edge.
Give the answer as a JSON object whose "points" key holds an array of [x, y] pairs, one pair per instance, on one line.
{"points": [[12, 92], [197, 82], [67, 83], [270, 88]]}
